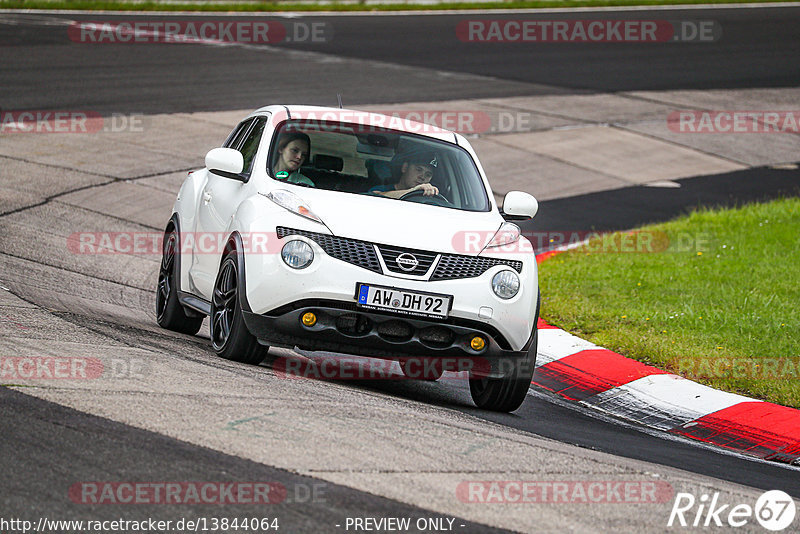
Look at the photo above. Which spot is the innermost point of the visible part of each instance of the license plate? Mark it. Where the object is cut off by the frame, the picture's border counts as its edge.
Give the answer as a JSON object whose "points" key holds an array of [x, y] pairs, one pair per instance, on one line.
{"points": [[402, 301]]}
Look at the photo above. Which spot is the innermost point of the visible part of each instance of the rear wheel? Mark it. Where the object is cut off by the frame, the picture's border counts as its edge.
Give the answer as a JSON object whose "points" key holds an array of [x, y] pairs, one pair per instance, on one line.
{"points": [[169, 312], [229, 335]]}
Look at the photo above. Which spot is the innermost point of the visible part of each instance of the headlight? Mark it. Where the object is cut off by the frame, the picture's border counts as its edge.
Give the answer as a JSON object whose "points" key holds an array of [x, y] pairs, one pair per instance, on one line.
{"points": [[505, 284], [290, 201], [297, 254], [507, 234]]}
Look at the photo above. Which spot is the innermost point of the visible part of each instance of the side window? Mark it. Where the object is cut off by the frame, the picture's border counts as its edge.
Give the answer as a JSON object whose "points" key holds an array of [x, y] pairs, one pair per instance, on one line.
{"points": [[236, 135], [250, 145]]}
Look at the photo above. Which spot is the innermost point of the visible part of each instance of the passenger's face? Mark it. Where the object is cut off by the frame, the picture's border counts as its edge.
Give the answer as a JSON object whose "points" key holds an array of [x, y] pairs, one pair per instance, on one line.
{"points": [[414, 174], [293, 155]]}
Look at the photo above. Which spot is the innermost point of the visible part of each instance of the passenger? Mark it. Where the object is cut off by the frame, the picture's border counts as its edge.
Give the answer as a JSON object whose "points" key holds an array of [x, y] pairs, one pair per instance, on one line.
{"points": [[416, 173], [293, 151]]}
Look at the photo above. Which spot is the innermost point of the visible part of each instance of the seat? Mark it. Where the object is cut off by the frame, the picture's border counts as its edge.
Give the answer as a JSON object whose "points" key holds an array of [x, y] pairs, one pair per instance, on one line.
{"points": [[327, 163], [326, 173], [379, 170]]}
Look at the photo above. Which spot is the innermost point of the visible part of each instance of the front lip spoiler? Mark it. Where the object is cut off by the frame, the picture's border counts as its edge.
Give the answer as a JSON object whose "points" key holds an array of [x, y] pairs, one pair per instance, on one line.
{"points": [[286, 330]]}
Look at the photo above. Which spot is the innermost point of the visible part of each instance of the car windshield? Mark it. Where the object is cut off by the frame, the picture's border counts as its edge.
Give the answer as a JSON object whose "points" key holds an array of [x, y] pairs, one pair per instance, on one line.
{"points": [[359, 159]]}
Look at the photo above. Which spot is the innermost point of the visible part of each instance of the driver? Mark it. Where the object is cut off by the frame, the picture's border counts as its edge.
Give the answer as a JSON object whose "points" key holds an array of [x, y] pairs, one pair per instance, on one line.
{"points": [[293, 150], [416, 173]]}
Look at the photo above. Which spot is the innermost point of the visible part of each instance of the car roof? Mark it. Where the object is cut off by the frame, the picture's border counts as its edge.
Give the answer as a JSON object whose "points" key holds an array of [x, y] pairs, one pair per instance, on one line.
{"points": [[365, 118]]}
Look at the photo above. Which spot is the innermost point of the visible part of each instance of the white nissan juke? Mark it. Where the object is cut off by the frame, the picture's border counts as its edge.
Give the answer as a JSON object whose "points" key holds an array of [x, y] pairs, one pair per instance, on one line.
{"points": [[352, 232]]}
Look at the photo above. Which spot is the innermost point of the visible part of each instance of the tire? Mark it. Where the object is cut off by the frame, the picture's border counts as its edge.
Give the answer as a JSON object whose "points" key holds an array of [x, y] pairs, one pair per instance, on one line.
{"points": [[229, 335], [169, 312], [506, 394], [420, 369]]}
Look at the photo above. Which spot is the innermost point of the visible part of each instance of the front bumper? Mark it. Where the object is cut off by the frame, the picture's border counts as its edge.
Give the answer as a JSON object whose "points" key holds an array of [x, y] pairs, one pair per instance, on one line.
{"points": [[342, 327], [271, 284]]}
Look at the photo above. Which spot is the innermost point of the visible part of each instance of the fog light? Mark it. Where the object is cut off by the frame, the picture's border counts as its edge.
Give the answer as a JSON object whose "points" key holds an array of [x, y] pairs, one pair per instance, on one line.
{"points": [[309, 319], [477, 343]]}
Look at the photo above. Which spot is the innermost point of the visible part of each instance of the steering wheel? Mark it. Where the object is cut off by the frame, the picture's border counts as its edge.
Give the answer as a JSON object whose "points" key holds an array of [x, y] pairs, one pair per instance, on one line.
{"points": [[418, 195]]}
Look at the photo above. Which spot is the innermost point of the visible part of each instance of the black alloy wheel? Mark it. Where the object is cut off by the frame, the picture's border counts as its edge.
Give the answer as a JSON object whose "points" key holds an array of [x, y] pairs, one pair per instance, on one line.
{"points": [[170, 314], [230, 337]]}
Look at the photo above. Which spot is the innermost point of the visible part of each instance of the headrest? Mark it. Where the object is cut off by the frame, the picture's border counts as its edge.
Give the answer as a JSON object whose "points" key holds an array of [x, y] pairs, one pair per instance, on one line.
{"points": [[380, 169], [328, 163]]}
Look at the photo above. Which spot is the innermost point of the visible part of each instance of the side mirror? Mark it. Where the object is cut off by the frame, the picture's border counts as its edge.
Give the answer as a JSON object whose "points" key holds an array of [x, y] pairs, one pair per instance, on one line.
{"points": [[225, 162], [519, 206]]}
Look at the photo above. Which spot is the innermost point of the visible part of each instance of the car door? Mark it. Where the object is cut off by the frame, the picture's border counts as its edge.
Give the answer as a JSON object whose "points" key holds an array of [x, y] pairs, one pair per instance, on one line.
{"points": [[219, 200]]}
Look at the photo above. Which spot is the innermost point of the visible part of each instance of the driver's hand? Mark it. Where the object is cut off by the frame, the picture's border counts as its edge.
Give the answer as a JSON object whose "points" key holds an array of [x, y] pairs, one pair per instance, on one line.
{"points": [[428, 190]]}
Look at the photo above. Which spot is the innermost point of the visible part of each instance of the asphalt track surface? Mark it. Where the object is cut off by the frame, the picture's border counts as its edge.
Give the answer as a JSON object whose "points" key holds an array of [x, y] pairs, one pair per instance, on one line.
{"points": [[122, 452], [629, 207], [47, 446], [758, 48]]}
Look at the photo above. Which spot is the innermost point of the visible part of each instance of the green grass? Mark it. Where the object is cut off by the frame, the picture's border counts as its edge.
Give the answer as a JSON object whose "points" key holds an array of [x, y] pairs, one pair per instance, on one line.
{"points": [[718, 305], [337, 6]]}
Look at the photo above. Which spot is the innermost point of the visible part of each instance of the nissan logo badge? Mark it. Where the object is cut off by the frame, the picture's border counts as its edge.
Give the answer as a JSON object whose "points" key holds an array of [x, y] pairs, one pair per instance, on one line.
{"points": [[407, 262]]}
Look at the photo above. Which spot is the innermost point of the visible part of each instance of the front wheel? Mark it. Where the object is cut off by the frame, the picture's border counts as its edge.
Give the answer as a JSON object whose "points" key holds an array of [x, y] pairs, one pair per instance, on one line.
{"points": [[229, 335], [169, 312], [506, 394]]}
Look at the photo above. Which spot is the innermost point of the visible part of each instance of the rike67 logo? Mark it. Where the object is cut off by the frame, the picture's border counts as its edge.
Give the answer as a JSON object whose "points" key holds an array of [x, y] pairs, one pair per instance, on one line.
{"points": [[774, 510]]}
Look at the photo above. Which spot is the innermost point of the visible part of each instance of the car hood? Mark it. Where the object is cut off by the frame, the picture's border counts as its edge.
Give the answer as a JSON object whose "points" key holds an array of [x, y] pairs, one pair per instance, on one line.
{"points": [[402, 223]]}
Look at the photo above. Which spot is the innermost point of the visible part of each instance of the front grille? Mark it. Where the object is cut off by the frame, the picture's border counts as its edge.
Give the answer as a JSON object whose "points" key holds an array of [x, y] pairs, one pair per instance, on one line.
{"points": [[352, 251], [362, 254], [452, 266], [390, 254]]}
